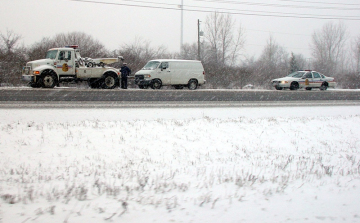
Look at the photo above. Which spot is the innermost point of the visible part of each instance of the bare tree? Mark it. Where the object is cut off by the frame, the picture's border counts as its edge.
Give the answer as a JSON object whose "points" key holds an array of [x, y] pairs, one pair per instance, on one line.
{"points": [[38, 50], [140, 51], [273, 62], [12, 57], [356, 54], [89, 46], [189, 51], [224, 45], [9, 41], [328, 46]]}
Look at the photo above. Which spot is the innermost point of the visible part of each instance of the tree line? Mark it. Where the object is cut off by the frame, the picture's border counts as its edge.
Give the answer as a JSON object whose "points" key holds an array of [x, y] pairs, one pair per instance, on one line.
{"points": [[221, 52]]}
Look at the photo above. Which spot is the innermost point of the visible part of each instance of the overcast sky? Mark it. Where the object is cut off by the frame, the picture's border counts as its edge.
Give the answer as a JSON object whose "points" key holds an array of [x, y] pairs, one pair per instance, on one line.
{"points": [[158, 21]]}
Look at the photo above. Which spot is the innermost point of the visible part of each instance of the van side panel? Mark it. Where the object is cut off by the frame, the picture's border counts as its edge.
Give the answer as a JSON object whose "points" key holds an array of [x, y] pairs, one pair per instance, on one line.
{"points": [[183, 71]]}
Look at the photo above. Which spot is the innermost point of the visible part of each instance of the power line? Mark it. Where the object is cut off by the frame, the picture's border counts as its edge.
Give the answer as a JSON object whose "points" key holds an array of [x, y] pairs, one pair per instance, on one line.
{"points": [[251, 13], [323, 3], [238, 10], [277, 5]]}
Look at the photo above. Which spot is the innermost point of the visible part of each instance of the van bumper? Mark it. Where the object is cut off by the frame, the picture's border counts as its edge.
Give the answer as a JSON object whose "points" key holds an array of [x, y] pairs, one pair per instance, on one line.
{"points": [[143, 82]]}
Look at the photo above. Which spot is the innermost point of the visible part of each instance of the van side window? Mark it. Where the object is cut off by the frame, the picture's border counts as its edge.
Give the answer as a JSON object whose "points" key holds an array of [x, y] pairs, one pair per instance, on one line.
{"points": [[164, 65]]}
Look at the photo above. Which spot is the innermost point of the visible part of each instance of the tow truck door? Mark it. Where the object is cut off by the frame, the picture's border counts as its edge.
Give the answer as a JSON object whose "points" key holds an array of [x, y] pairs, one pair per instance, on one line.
{"points": [[65, 63]]}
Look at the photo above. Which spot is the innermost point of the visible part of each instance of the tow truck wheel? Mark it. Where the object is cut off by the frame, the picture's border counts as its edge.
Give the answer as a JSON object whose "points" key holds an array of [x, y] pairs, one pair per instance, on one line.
{"points": [[48, 80], [110, 81], [36, 84]]}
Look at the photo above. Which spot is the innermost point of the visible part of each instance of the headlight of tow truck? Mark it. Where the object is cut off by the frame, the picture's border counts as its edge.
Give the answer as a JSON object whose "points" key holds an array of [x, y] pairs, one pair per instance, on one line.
{"points": [[36, 72]]}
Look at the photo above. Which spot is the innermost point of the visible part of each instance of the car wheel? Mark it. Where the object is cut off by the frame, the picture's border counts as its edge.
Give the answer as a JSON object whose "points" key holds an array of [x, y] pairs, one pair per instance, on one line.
{"points": [[156, 84], [308, 88], [278, 88], [324, 86], [192, 85], [294, 86]]}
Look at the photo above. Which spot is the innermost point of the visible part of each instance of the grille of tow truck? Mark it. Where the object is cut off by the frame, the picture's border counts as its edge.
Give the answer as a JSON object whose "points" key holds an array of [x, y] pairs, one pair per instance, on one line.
{"points": [[26, 70]]}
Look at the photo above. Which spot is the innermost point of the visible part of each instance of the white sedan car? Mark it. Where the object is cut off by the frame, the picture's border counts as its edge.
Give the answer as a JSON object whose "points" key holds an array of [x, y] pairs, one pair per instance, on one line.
{"points": [[307, 79]]}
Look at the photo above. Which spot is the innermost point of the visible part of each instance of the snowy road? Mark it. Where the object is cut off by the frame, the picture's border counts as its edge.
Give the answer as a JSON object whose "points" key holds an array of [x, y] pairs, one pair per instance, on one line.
{"points": [[149, 96]]}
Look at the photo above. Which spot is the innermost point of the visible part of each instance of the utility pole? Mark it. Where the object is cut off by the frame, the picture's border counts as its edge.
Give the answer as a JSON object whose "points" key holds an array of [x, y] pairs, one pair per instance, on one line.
{"points": [[199, 58], [182, 26]]}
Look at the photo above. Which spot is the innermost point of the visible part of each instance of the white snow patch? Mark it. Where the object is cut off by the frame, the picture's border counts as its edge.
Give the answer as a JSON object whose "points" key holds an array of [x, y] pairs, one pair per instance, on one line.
{"points": [[180, 165]]}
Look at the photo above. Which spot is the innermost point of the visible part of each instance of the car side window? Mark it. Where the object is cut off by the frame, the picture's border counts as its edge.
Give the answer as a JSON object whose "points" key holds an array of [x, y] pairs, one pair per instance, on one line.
{"points": [[308, 75], [316, 75]]}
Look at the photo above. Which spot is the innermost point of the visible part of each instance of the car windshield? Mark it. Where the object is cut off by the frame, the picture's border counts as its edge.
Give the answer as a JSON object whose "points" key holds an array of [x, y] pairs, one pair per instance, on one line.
{"points": [[296, 74], [151, 65], [51, 54]]}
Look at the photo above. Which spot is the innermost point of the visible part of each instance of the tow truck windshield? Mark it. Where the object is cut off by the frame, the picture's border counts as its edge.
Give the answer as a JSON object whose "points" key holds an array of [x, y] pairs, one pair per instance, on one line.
{"points": [[151, 65], [51, 54]]}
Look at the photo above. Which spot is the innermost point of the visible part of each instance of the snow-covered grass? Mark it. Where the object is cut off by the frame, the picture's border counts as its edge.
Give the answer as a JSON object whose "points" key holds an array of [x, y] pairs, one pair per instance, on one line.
{"points": [[267, 164]]}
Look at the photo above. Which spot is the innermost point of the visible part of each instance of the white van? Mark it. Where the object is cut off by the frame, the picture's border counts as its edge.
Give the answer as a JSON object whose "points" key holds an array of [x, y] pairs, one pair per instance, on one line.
{"points": [[177, 73]]}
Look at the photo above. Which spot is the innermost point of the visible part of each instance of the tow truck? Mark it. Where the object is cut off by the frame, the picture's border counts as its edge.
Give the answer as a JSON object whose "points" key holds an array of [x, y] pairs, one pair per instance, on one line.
{"points": [[65, 64]]}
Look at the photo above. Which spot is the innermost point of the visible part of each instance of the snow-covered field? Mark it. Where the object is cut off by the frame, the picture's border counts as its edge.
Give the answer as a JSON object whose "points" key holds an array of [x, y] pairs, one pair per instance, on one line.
{"points": [[265, 164]]}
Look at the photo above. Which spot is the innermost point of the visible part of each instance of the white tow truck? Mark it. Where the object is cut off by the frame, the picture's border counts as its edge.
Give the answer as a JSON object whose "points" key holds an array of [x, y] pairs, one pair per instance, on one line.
{"points": [[66, 65]]}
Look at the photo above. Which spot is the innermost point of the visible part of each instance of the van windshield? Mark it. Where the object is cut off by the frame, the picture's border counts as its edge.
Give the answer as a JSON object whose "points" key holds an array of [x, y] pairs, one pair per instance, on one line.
{"points": [[51, 54], [151, 65]]}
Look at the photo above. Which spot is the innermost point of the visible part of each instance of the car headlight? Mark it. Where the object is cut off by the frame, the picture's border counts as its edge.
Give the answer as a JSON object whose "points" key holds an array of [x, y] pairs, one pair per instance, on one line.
{"points": [[147, 75], [284, 82]]}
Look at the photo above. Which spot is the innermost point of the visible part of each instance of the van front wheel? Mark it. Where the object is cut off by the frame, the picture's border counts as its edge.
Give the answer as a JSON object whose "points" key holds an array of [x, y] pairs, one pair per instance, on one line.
{"points": [[156, 84], [192, 85]]}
